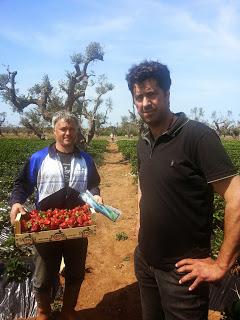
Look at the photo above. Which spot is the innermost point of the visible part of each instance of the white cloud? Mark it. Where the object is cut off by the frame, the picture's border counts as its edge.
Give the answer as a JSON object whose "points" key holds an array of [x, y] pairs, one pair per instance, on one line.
{"points": [[143, 22], [65, 35]]}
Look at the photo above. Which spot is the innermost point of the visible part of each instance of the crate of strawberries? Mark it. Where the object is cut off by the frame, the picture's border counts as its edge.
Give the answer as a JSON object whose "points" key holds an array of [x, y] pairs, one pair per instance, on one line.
{"points": [[54, 225]]}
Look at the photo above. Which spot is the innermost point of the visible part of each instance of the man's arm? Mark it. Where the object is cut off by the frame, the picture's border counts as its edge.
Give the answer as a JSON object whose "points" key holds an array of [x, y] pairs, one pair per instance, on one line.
{"points": [[94, 181], [21, 190], [230, 190], [209, 270]]}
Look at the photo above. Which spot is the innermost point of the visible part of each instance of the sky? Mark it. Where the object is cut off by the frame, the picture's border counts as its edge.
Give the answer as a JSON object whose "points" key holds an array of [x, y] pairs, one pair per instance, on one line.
{"points": [[199, 41]]}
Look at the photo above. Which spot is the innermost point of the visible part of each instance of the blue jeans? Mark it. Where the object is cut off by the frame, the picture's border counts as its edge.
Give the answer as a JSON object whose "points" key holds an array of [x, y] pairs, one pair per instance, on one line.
{"points": [[163, 298]]}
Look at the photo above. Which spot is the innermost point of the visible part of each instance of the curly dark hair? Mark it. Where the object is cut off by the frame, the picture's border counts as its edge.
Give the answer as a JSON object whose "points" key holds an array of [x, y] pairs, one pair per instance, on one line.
{"points": [[146, 70]]}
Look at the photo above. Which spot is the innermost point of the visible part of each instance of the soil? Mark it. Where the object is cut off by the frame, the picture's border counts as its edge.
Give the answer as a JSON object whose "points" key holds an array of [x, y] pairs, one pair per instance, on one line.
{"points": [[110, 291]]}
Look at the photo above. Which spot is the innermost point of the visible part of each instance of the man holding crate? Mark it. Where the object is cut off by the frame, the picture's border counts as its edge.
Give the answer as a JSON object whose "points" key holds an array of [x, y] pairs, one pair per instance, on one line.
{"points": [[181, 163], [57, 174]]}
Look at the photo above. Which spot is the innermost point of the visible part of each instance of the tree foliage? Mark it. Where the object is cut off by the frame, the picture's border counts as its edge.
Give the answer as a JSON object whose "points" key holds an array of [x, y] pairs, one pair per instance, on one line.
{"points": [[70, 95], [197, 114], [224, 125]]}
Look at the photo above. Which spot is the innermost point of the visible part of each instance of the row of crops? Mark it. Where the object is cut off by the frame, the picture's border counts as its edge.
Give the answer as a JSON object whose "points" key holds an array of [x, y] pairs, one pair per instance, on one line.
{"points": [[233, 149], [129, 152], [128, 149]]}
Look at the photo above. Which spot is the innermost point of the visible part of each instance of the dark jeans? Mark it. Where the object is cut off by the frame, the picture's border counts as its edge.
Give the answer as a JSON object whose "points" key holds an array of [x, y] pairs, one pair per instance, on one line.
{"points": [[48, 258], [163, 298]]}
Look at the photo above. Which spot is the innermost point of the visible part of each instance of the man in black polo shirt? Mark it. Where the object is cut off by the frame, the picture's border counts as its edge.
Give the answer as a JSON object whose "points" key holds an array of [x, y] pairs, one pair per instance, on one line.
{"points": [[181, 164]]}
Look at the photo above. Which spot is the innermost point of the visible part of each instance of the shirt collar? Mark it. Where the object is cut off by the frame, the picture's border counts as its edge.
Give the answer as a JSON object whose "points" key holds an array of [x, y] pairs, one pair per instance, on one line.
{"points": [[53, 151], [178, 124], [172, 131]]}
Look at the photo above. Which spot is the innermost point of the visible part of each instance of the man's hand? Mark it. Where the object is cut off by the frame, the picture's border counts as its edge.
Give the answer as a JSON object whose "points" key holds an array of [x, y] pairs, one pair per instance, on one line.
{"points": [[98, 199], [16, 208], [200, 270]]}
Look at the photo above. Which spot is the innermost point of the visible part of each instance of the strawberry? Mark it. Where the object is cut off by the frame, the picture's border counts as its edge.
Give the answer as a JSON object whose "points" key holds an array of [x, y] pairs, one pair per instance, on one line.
{"points": [[80, 221], [63, 225], [57, 218], [35, 227]]}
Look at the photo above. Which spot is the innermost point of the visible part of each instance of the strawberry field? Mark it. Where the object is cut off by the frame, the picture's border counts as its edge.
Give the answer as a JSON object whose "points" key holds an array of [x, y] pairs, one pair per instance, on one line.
{"points": [[109, 268]]}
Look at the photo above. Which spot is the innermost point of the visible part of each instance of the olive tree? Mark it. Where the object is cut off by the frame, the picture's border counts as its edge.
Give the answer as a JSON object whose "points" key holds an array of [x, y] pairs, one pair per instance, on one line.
{"points": [[82, 93]]}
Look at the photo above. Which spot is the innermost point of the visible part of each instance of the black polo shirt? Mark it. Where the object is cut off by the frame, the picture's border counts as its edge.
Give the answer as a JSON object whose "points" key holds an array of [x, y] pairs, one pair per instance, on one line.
{"points": [[176, 207]]}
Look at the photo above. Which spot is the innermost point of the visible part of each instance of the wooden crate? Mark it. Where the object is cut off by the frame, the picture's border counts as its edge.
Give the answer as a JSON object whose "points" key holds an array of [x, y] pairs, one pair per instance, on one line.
{"points": [[29, 238]]}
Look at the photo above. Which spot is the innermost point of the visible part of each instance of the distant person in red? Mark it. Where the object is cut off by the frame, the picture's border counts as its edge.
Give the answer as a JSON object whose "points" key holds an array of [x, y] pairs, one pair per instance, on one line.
{"points": [[181, 163], [58, 174]]}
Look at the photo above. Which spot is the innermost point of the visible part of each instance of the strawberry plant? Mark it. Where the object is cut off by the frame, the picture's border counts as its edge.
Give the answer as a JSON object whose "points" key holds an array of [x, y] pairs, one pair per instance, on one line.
{"points": [[128, 149], [121, 236], [14, 260]]}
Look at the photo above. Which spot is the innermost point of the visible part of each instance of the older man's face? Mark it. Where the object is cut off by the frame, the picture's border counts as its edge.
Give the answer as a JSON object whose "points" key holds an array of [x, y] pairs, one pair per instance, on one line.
{"points": [[65, 133]]}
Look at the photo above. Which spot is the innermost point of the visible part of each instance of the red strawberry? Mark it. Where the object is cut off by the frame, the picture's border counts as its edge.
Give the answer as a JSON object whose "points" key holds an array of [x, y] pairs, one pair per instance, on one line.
{"points": [[63, 225], [80, 221], [35, 227]]}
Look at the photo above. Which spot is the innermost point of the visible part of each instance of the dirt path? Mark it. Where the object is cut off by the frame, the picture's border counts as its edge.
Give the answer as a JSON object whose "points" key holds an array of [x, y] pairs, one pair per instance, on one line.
{"points": [[110, 291]]}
